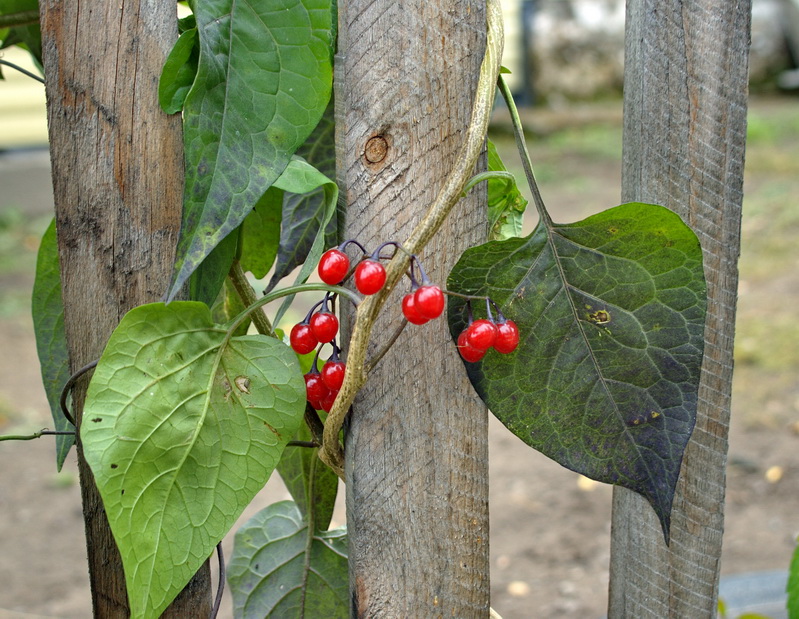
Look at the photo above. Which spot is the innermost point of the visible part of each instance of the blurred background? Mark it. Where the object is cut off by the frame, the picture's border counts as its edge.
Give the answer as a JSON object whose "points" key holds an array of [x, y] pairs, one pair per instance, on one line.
{"points": [[549, 527]]}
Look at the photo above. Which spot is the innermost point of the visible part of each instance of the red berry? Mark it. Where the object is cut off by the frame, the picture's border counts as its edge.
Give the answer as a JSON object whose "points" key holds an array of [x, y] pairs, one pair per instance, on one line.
{"points": [[333, 266], [327, 401], [333, 374], [429, 301], [302, 338], [507, 337], [481, 334], [324, 326], [410, 312], [469, 353], [315, 389], [370, 276]]}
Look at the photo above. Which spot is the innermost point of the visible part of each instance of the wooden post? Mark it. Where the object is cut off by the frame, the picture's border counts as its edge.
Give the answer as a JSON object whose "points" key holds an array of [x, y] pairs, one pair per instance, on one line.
{"points": [[684, 136], [117, 164], [417, 476]]}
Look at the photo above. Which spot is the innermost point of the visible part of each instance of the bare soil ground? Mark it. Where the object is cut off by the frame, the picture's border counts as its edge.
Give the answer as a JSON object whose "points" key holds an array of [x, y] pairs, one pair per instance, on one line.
{"points": [[549, 527]]}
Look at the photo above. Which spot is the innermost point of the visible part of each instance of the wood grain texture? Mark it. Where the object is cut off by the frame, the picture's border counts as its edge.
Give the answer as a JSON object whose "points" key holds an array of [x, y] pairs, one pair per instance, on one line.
{"points": [[416, 446], [684, 139], [117, 172]]}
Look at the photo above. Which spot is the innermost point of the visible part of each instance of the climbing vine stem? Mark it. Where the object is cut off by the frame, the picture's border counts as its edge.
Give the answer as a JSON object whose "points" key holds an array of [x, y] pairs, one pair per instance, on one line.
{"points": [[449, 194]]}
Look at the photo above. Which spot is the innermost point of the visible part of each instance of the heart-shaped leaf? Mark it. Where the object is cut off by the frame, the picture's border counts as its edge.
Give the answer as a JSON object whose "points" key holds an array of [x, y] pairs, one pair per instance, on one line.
{"points": [[264, 78], [47, 308], [183, 425], [282, 568], [611, 312]]}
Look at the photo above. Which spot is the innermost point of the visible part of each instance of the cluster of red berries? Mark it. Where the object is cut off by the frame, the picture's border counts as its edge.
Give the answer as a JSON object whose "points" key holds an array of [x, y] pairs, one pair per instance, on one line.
{"points": [[423, 303], [321, 388], [481, 335]]}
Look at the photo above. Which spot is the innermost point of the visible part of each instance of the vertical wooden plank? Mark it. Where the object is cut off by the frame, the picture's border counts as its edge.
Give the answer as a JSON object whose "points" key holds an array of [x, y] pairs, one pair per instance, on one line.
{"points": [[684, 137], [117, 170], [417, 482]]}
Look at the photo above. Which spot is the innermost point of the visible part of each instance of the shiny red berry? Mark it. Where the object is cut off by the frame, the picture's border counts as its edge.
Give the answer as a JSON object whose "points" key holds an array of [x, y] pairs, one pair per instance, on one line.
{"points": [[429, 301], [469, 353], [333, 374], [302, 338], [481, 334], [324, 326], [410, 312], [315, 389], [507, 337], [333, 266], [370, 276], [328, 400]]}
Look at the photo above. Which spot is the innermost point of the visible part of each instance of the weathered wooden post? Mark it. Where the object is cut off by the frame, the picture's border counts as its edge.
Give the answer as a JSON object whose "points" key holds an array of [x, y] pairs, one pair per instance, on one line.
{"points": [[684, 135], [118, 176], [417, 478]]}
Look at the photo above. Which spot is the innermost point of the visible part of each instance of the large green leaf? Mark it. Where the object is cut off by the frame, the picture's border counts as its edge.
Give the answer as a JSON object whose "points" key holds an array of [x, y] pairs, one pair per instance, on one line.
{"points": [[280, 568], [47, 308], [305, 210], [263, 81], [506, 204], [261, 232], [611, 312], [182, 426]]}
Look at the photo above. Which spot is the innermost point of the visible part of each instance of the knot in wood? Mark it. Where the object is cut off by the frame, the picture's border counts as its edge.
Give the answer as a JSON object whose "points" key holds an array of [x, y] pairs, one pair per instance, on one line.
{"points": [[376, 149]]}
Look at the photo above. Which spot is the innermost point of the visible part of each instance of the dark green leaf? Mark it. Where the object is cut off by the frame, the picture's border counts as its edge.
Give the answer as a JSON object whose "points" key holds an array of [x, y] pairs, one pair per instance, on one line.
{"points": [[506, 204], [281, 569], [47, 308], [182, 426], [179, 72], [304, 212], [611, 312], [206, 281], [793, 586], [263, 81], [312, 484], [261, 234]]}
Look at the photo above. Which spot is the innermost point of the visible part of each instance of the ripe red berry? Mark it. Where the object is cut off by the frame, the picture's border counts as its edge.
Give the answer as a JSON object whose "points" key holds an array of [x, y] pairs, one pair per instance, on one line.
{"points": [[333, 266], [410, 312], [315, 389], [324, 326], [370, 276], [327, 401], [481, 334], [429, 301], [507, 337], [469, 353], [302, 338], [333, 374]]}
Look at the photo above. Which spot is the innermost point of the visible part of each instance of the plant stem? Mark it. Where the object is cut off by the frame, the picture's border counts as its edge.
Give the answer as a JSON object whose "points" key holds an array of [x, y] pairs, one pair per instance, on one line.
{"points": [[23, 71], [518, 133], [247, 296], [371, 363], [20, 18], [30, 437]]}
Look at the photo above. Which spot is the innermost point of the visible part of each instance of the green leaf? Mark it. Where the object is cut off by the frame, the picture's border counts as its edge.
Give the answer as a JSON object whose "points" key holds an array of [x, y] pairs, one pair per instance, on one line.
{"points": [[281, 568], [611, 312], [206, 281], [261, 234], [182, 426], [47, 308], [792, 587], [305, 209], [180, 69], [312, 485], [301, 177], [506, 204], [263, 81]]}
